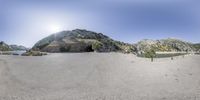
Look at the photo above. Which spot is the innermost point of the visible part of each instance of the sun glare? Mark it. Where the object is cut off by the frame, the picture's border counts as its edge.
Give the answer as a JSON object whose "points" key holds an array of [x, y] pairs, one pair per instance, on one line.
{"points": [[54, 28]]}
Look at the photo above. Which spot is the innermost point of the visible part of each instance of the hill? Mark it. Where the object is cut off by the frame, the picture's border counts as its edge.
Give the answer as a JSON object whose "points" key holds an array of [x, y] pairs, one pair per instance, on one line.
{"points": [[170, 44], [4, 47], [80, 40]]}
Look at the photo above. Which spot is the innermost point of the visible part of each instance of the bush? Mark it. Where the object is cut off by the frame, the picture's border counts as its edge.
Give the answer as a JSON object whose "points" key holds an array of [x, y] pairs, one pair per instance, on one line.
{"points": [[150, 54], [34, 53], [65, 49], [97, 46]]}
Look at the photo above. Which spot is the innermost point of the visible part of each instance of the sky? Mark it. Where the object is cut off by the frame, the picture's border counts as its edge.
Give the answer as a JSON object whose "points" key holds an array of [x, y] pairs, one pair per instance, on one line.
{"points": [[24, 22]]}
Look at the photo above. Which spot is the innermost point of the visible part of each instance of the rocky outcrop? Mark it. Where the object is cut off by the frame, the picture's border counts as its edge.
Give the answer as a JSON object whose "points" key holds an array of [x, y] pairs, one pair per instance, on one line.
{"points": [[79, 40], [164, 45]]}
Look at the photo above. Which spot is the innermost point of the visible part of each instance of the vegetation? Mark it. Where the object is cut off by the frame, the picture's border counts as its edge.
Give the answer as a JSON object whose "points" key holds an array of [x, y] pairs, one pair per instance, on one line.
{"points": [[197, 47], [65, 49], [42, 46], [4, 47], [5, 53], [34, 53], [159, 47], [150, 54], [165, 45], [96, 46]]}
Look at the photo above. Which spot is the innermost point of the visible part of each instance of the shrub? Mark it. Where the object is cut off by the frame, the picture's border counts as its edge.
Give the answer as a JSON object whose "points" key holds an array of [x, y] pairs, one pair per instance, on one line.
{"points": [[34, 53], [65, 49], [150, 54], [96, 46]]}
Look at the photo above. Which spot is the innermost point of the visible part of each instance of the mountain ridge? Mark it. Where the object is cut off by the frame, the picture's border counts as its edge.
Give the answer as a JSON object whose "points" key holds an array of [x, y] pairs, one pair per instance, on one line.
{"points": [[81, 40]]}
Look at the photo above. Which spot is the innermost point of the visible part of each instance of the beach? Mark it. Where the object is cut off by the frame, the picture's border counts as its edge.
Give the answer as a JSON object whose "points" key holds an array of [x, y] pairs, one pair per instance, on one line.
{"points": [[99, 76]]}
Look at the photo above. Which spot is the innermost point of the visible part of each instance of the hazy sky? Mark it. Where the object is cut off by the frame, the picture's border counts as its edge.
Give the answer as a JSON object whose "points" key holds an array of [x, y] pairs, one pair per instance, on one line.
{"points": [[27, 21]]}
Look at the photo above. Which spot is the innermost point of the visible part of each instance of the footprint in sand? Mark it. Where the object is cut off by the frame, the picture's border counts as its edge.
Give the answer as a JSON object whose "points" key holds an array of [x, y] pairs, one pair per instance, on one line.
{"points": [[177, 80], [190, 74]]}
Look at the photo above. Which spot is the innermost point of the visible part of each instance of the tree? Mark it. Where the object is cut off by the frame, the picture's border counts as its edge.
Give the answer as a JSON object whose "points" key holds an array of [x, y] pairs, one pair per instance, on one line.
{"points": [[150, 54], [96, 46]]}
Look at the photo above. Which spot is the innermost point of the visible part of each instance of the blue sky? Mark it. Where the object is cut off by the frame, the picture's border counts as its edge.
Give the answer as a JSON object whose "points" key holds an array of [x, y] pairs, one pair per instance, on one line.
{"points": [[25, 22]]}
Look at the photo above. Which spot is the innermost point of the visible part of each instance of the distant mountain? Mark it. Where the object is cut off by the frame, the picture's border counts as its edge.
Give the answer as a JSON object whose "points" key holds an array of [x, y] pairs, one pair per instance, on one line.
{"points": [[4, 47], [80, 40], [18, 47], [169, 44]]}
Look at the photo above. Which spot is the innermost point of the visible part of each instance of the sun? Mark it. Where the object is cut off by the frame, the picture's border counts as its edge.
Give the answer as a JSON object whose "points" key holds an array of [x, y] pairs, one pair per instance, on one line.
{"points": [[53, 28]]}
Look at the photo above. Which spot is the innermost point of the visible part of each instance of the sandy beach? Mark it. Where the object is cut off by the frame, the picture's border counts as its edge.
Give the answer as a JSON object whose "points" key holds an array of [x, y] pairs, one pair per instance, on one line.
{"points": [[99, 76]]}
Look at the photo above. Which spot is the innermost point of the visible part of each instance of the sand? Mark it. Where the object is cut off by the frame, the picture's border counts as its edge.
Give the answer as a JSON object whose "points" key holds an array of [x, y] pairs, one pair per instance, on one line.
{"points": [[99, 76]]}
